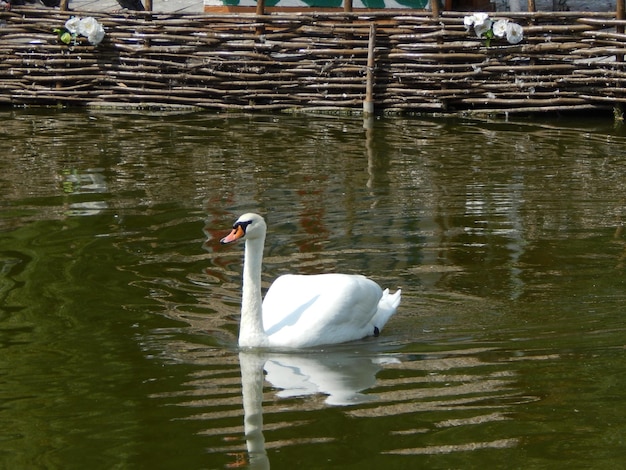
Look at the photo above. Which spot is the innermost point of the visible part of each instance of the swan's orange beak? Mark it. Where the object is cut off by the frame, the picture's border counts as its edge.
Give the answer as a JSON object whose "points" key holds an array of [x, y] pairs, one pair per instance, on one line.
{"points": [[234, 235]]}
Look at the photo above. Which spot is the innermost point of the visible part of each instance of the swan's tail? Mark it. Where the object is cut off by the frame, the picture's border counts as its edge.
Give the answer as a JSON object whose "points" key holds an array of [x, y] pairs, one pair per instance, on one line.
{"points": [[387, 306]]}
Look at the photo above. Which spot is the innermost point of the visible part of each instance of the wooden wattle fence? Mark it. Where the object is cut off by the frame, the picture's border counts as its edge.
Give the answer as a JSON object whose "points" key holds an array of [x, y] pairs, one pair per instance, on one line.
{"points": [[396, 61]]}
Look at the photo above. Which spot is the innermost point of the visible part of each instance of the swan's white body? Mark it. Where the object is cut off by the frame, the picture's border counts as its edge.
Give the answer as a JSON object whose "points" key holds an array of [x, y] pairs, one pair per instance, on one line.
{"points": [[302, 311]]}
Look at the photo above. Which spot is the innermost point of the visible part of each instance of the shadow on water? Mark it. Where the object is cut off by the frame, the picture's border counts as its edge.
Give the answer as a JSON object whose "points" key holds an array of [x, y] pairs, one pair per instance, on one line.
{"points": [[119, 309]]}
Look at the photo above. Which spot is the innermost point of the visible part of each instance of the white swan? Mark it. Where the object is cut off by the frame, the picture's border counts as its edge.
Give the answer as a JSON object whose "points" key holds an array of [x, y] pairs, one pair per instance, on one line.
{"points": [[302, 311]]}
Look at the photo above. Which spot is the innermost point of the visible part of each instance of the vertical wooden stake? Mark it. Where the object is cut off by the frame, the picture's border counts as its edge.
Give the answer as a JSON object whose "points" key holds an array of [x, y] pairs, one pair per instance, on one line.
{"points": [[531, 6], [619, 15], [434, 8], [64, 4], [618, 109], [148, 7], [368, 104], [347, 6], [260, 10]]}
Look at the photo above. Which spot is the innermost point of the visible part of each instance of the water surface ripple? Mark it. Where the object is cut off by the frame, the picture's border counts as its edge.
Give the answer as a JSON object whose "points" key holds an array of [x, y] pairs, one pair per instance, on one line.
{"points": [[119, 309]]}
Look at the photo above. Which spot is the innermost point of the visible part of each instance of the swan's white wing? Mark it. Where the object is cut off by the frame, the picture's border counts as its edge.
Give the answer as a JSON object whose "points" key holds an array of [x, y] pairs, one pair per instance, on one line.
{"points": [[319, 309]]}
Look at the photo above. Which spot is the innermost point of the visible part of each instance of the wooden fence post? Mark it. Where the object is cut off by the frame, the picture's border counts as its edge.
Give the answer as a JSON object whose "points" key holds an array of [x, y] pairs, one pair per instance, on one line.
{"points": [[618, 108], [64, 4], [260, 10], [434, 8], [619, 14], [347, 6], [148, 5], [619, 29], [368, 104]]}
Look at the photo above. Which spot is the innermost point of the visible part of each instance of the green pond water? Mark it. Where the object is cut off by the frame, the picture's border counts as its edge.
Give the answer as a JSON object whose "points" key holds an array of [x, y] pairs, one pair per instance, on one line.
{"points": [[119, 309]]}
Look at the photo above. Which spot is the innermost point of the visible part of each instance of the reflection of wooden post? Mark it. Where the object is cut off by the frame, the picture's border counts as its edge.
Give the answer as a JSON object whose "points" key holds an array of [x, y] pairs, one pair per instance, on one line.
{"points": [[347, 6], [368, 104], [64, 4], [148, 5]]}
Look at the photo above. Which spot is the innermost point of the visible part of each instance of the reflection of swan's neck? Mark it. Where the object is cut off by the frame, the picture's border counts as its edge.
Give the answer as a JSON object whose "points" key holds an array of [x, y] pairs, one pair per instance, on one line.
{"points": [[251, 332], [252, 390]]}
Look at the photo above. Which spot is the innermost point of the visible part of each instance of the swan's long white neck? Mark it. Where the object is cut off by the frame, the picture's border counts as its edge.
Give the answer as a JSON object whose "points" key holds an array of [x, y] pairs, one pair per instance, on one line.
{"points": [[251, 332]]}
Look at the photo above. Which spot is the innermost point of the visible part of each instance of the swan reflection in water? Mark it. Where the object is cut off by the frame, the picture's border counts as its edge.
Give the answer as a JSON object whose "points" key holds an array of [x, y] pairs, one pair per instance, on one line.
{"points": [[341, 376]]}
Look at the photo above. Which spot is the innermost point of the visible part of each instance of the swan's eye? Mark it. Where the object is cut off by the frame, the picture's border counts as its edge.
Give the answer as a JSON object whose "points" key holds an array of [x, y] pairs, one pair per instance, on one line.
{"points": [[243, 225]]}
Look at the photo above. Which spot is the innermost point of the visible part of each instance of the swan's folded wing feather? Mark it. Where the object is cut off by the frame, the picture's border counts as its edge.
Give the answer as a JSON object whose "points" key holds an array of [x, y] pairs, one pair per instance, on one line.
{"points": [[328, 304], [287, 299]]}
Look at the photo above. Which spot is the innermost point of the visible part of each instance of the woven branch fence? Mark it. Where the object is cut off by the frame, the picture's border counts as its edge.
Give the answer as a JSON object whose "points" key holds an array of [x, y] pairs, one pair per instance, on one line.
{"points": [[418, 62]]}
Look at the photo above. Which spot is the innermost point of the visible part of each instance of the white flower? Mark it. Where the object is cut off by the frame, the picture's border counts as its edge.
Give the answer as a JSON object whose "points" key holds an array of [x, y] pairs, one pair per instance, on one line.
{"points": [[477, 18], [87, 25], [480, 18], [482, 28], [514, 33], [499, 28], [72, 24], [91, 29], [97, 36]]}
